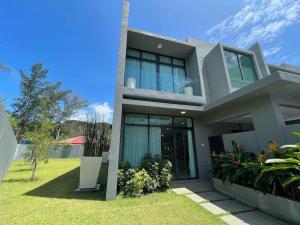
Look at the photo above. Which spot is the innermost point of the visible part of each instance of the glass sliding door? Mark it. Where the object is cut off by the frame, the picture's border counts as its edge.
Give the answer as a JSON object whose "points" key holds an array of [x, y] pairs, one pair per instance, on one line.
{"points": [[184, 154], [167, 136]]}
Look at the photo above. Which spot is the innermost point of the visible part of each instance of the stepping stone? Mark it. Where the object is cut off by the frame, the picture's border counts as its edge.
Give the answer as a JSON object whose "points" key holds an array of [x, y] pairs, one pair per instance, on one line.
{"points": [[213, 208], [251, 218], [212, 196], [231, 206], [194, 186], [182, 191], [196, 198]]}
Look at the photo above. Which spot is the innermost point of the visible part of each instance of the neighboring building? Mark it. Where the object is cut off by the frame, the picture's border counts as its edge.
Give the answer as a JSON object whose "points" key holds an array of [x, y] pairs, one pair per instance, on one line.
{"points": [[184, 99], [79, 140]]}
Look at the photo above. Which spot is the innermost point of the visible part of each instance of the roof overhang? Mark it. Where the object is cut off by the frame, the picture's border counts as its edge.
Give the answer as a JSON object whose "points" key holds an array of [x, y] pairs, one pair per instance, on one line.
{"points": [[280, 84], [149, 42]]}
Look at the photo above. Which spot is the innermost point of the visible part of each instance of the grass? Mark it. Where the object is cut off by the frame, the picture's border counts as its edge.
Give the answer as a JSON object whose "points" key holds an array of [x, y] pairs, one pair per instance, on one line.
{"points": [[52, 200]]}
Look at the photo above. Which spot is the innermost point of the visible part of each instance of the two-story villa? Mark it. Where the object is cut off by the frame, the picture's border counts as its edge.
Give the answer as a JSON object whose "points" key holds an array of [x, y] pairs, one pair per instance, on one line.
{"points": [[184, 99]]}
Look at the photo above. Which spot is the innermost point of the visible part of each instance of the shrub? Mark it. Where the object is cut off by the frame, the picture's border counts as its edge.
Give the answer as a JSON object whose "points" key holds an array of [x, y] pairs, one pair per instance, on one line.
{"points": [[135, 186], [276, 172], [153, 175]]}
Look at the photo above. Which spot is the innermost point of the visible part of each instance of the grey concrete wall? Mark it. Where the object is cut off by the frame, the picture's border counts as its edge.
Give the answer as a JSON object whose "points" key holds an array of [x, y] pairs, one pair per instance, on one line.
{"points": [[264, 69], [288, 132], [266, 116], [60, 152], [216, 75], [111, 191], [8, 143], [247, 139]]}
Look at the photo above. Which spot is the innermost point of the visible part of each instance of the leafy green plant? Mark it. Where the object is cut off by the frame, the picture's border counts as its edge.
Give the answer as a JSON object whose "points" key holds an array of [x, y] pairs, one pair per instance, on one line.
{"points": [[276, 172], [135, 186], [158, 179]]}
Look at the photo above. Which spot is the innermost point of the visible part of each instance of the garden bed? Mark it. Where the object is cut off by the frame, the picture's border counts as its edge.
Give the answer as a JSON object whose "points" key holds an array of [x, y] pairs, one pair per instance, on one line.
{"points": [[276, 206]]}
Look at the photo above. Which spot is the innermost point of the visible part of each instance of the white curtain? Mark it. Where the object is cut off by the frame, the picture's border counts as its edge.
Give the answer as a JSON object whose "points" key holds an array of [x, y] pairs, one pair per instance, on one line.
{"points": [[179, 79], [132, 70], [166, 78], [135, 144], [155, 141], [148, 76]]}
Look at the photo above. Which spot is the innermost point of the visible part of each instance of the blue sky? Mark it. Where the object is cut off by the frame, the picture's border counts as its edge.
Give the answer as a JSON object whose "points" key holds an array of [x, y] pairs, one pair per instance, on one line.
{"points": [[78, 40]]}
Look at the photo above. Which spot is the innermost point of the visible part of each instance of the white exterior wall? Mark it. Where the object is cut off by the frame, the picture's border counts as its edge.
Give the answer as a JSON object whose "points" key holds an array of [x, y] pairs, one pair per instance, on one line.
{"points": [[8, 142]]}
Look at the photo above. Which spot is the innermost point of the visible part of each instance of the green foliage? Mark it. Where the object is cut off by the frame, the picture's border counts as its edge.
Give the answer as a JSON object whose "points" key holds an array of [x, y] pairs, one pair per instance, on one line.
{"points": [[40, 96], [135, 186], [38, 112], [156, 174], [277, 172], [97, 137], [40, 140]]}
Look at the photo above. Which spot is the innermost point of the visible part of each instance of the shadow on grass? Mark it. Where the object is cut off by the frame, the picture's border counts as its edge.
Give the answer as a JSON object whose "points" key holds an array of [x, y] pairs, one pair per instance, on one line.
{"points": [[20, 170], [20, 180], [64, 186]]}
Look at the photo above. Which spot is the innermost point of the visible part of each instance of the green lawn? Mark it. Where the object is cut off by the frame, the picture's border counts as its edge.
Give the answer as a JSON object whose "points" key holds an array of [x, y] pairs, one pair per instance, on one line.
{"points": [[52, 200]]}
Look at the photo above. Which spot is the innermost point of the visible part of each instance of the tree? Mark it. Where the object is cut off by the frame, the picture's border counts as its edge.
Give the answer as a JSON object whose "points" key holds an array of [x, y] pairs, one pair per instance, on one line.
{"points": [[39, 95], [39, 111], [4, 68]]}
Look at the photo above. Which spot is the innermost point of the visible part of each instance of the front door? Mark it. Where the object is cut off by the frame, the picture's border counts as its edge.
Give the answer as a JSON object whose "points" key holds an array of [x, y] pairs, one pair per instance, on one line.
{"points": [[177, 146]]}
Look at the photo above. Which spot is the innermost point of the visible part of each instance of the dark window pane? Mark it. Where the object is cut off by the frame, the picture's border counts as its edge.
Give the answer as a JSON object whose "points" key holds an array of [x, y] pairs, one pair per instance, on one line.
{"points": [[178, 62], [182, 122], [139, 119], [149, 56], [134, 53], [233, 65], [248, 70], [160, 120], [165, 59]]}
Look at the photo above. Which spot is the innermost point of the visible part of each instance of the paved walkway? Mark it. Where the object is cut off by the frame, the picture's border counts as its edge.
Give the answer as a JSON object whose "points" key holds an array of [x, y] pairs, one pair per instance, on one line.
{"points": [[230, 211]]}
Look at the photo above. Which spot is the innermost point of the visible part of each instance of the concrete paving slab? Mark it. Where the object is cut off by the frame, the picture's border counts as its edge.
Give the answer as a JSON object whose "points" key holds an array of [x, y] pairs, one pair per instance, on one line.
{"points": [[216, 210], [196, 198], [182, 191], [213, 196], [194, 186], [251, 218], [233, 206]]}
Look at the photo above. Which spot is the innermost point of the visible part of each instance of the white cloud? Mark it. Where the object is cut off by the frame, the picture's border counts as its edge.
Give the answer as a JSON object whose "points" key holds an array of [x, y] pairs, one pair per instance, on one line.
{"points": [[258, 20], [271, 51], [103, 112]]}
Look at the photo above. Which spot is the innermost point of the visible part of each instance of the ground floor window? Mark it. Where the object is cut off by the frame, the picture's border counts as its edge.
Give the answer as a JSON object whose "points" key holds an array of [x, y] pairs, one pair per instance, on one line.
{"points": [[167, 136]]}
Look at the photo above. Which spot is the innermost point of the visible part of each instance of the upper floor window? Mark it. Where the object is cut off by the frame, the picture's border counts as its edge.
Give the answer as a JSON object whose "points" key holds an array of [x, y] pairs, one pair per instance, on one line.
{"points": [[147, 70], [240, 68]]}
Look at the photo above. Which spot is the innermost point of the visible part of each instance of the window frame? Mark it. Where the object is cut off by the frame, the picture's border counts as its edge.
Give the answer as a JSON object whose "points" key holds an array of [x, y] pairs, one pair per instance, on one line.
{"points": [[237, 52], [157, 64], [148, 125]]}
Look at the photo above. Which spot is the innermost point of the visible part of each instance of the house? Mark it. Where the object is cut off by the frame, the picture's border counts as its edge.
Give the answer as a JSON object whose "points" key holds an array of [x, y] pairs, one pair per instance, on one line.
{"points": [[184, 99]]}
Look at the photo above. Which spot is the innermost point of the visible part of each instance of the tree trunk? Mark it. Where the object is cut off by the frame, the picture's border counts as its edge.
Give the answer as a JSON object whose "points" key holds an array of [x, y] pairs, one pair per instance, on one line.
{"points": [[33, 170]]}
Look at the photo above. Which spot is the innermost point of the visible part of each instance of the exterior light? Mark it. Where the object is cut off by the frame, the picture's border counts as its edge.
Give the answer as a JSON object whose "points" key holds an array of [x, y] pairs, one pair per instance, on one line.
{"points": [[183, 112], [159, 46]]}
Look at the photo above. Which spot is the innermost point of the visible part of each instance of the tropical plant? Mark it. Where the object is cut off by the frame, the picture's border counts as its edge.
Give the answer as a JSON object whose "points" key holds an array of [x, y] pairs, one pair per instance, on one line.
{"points": [[276, 172]]}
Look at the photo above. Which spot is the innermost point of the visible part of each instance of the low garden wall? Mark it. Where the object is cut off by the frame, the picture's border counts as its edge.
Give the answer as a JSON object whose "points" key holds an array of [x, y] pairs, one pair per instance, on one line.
{"points": [[276, 206], [60, 152]]}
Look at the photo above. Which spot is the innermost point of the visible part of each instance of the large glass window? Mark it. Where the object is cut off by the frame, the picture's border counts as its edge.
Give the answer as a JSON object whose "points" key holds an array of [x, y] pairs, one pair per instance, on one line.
{"points": [[167, 136], [240, 68], [156, 72]]}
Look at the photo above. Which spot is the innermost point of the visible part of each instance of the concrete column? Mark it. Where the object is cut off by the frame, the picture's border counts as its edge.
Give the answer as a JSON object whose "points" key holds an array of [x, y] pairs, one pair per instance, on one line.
{"points": [[111, 190], [268, 121]]}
